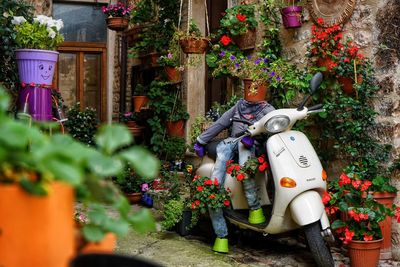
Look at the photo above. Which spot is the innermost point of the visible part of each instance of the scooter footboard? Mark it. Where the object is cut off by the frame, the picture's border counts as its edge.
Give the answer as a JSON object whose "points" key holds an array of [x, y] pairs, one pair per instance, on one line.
{"points": [[307, 208]]}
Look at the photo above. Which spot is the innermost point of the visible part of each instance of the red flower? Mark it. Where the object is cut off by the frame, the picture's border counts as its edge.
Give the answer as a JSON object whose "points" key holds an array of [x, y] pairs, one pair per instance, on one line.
{"points": [[364, 216], [344, 179], [237, 168], [326, 197], [194, 206], [368, 237], [208, 182], [320, 21], [366, 185], [216, 182], [356, 184], [241, 17], [230, 169], [397, 214], [23, 84], [195, 178], [225, 40], [212, 196], [348, 236], [197, 202], [199, 188], [240, 177], [227, 202], [229, 162], [32, 84], [263, 166], [261, 159]]}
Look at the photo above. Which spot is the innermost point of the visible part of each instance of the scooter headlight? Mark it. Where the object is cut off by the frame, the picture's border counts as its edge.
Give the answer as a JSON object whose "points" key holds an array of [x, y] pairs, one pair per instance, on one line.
{"points": [[277, 124]]}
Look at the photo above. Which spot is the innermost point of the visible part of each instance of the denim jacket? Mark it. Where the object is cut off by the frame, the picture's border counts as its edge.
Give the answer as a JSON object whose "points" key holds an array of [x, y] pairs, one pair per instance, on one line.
{"points": [[244, 110]]}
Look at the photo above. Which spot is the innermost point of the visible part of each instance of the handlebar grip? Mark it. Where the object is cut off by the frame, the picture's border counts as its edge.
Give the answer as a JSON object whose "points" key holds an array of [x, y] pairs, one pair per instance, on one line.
{"points": [[315, 107]]}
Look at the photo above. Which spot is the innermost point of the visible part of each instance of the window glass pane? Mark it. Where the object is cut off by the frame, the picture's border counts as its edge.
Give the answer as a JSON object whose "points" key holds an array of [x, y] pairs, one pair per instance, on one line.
{"points": [[67, 78], [92, 82], [82, 22]]}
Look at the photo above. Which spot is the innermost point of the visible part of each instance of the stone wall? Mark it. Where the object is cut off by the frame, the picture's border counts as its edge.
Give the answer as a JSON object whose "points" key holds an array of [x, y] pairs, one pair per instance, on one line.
{"points": [[375, 28]]}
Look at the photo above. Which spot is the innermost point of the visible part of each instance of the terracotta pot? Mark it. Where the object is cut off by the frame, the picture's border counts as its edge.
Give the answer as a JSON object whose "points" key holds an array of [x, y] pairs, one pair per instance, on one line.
{"points": [[386, 198], [117, 23], [258, 96], [173, 74], [176, 128], [107, 245], [36, 230], [364, 253], [139, 101], [347, 84], [324, 62], [153, 57], [134, 198], [194, 46], [246, 41]]}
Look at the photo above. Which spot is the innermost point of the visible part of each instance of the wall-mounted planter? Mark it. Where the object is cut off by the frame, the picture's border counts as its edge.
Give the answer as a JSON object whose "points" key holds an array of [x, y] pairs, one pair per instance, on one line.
{"points": [[193, 45], [246, 41], [291, 16], [117, 23]]}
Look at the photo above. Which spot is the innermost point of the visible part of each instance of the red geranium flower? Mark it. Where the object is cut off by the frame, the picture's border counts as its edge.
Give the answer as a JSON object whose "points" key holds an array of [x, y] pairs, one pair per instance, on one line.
{"points": [[225, 40], [326, 197], [227, 202], [199, 188], [241, 17], [262, 167], [216, 182], [212, 196], [208, 182], [240, 177]]}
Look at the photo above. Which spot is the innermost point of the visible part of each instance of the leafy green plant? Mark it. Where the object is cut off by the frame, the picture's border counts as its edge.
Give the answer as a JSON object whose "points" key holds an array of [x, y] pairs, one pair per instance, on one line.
{"points": [[173, 148], [129, 181], [140, 89], [127, 116], [41, 33], [34, 160], [239, 19], [178, 113], [82, 125], [8, 71], [172, 213]]}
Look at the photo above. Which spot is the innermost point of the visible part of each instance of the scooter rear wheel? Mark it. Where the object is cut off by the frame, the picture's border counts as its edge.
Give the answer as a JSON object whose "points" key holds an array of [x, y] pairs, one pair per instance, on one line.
{"points": [[318, 247]]}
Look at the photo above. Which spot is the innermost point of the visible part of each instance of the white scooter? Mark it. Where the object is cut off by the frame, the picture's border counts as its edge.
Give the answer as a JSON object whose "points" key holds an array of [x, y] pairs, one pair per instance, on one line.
{"points": [[299, 181]]}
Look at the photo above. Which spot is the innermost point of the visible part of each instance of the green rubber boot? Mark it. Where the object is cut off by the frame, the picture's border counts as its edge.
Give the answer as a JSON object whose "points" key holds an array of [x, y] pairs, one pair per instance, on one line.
{"points": [[256, 216], [221, 245]]}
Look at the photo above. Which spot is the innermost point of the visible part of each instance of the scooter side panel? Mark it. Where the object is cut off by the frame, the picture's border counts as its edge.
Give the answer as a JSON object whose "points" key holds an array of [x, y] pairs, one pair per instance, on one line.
{"points": [[307, 208]]}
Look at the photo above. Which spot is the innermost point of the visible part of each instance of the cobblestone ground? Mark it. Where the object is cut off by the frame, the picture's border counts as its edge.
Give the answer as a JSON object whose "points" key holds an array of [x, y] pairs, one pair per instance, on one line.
{"points": [[246, 249]]}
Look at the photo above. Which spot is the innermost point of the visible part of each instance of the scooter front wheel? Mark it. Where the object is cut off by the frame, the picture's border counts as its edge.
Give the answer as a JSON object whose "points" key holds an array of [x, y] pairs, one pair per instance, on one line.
{"points": [[318, 247]]}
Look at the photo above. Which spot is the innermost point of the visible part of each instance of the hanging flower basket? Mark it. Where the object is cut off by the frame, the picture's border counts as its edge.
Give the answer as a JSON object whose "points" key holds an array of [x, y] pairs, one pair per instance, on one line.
{"points": [[194, 45], [117, 23], [291, 16], [173, 74], [246, 41]]}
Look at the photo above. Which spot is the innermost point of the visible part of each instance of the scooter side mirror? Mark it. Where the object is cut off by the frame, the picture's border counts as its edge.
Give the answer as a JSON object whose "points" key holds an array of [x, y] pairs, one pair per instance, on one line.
{"points": [[315, 82], [314, 85]]}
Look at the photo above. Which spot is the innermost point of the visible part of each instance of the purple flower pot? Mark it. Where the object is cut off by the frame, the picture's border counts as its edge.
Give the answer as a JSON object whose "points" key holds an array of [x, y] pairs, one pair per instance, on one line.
{"points": [[39, 102], [291, 16], [36, 66]]}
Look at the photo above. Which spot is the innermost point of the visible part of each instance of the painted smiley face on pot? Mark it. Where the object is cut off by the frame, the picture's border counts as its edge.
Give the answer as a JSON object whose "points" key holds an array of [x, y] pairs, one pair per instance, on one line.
{"points": [[45, 70]]}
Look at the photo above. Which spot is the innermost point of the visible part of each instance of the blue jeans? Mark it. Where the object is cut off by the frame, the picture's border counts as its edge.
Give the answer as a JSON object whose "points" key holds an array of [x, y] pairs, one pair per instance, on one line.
{"points": [[226, 150]]}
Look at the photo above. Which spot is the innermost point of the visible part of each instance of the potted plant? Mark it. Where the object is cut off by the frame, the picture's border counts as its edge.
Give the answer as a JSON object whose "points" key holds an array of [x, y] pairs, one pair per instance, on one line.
{"points": [[349, 66], [360, 225], [82, 124], [172, 67], [241, 24], [40, 174], [325, 45], [176, 121], [291, 14], [117, 16], [139, 97], [130, 184], [130, 119], [192, 41], [255, 71], [36, 59]]}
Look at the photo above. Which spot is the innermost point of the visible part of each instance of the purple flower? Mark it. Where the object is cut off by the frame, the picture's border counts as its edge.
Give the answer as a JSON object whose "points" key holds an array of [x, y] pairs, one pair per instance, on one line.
{"points": [[127, 114], [222, 54], [237, 65], [169, 55], [272, 74], [232, 57], [257, 61], [278, 78], [265, 70], [266, 60]]}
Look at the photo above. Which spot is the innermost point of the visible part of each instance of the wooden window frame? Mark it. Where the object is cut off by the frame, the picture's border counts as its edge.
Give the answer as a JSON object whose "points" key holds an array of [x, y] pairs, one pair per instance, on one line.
{"points": [[88, 47]]}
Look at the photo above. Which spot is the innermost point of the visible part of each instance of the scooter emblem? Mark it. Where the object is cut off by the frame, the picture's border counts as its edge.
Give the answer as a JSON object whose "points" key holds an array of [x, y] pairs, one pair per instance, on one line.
{"points": [[292, 138]]}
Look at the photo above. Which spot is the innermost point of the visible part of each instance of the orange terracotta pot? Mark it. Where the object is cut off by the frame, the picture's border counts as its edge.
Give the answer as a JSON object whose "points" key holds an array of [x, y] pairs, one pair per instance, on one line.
{"points": [[245, 41], [173, 74], [386, 198], [364, 253], [133, 198], [117, 23], [194, 46], [176, 128], [107, 245], [139, 102], [260, 95], [347, 84], [34, 230]]}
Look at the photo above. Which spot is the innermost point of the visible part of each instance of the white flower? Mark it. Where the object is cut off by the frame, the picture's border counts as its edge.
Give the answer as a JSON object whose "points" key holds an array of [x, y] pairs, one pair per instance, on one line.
{"points": [[51, 32], [18, 20], [41, 19], [59, 24], [6, 15]]}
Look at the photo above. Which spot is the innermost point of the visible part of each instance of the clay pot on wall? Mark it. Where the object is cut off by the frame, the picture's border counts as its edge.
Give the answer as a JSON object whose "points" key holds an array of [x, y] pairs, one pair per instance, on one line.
{"points": [[291, 16], [246, 41], [347, 84], [260, 95], [117, 23], [176, 128], [193, 45], [139, 102], [173, 74]]}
